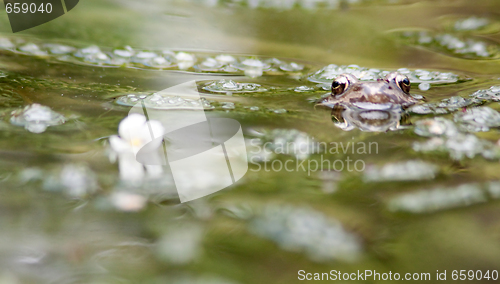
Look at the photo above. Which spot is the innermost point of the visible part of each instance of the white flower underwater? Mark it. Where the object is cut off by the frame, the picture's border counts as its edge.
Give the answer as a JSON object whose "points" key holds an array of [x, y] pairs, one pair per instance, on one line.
{"points": [[134, 133]]}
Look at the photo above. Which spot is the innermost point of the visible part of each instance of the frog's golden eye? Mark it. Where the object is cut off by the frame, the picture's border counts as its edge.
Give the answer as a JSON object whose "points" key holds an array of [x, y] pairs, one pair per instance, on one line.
{"points": [[403, 82], [338, 87], [341, 83]]}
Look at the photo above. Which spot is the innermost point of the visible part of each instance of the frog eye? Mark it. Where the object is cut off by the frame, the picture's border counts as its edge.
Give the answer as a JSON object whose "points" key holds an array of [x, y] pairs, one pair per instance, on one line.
{"points": [[341, 83], [403, 82]]}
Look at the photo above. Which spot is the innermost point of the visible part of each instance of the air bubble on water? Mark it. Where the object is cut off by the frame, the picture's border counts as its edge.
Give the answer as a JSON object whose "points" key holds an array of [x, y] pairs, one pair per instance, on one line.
{"points": [[437, 126], [254, 63], [145, 55], [229, 69], [424, 38], [456, 102], [87, 51], [210, 64], [424, 86], [450, 42], [470, 24], [280, 111], [185, 60], [401, 171], [253, 72], [183, 56], [252, 67], [181, 246], [301, 89], [223, 86], [456, 143], [228, 105], [422, 109], [491, 94], [477, 119], [466, 145], [59, 48], [494, 189], [98, 57], [432, 200], [425, 78], [384, 73], [36, 118], [32, 48], [125, 53], [301, 229], [417, 96], [154, 97], [254, 108], [225, 59], [128, 57], [75, 180], [168, 53], [291, 67], [251, 87], [159, 62], [445, 106], [445, 76], [231, 85], [460, 46], [289, 141], [273, 61], [330, 72], [5, 43], [157, 101]]}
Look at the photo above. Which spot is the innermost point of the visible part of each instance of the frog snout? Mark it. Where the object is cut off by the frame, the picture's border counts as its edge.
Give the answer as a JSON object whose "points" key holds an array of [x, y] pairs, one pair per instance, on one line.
{"points": [[375, 99]]}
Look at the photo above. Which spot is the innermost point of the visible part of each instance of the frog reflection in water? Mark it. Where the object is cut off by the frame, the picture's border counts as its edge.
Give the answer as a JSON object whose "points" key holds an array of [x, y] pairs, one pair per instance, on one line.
{"points": [[369, 106]]}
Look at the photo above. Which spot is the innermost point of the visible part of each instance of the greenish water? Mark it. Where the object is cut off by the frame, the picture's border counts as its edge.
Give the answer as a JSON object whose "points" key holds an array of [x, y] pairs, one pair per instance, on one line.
{"points": [[62, 218]]}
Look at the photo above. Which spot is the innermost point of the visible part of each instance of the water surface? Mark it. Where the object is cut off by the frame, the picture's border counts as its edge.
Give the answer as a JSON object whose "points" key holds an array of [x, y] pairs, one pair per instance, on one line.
{"points": [[426, 199]]}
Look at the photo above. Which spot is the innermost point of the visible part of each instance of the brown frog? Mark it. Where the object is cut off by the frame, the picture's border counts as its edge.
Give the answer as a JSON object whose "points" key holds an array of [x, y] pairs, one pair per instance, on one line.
{"points": [[391, 92]]}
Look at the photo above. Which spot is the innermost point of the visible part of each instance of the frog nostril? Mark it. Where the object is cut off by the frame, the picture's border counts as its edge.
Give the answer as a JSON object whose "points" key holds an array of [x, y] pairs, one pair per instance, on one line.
{"points": [[357, 88]]}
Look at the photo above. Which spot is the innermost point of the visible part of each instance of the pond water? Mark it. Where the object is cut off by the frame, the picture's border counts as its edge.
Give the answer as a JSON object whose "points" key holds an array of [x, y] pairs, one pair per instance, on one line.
{"points": [[403, 192]]}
